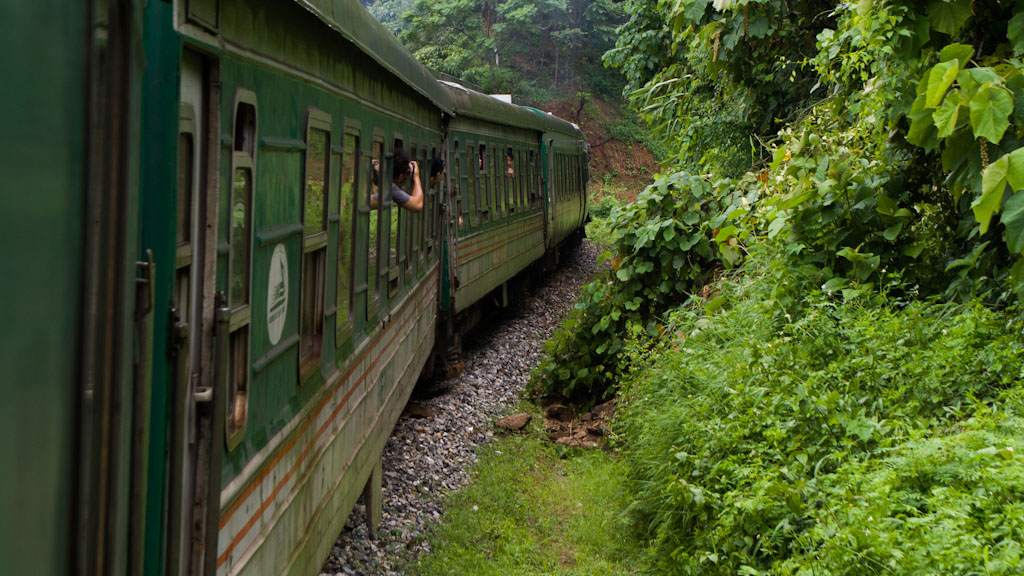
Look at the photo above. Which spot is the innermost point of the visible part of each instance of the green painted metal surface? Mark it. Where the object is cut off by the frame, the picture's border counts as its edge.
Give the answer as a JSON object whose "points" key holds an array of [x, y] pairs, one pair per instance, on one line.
{"points": [[356, 25], [41, 218], [158, 208]]}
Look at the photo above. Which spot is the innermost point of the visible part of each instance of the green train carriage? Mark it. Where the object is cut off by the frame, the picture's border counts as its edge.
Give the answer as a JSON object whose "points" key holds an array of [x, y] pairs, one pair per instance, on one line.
{"points": [[517, 194], [313, 392], [247, 329]]}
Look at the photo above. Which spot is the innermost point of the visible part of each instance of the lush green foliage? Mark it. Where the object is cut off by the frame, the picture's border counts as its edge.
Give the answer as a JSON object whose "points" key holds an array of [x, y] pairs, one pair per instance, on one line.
{"points": [[673, 237], [846, 399], [792, 434], [714, 78], [887, 173], [536, 49]]}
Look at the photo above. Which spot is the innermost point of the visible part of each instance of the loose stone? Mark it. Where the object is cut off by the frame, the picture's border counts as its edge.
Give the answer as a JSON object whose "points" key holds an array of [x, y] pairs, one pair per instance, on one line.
{"points": [[433, 446]]}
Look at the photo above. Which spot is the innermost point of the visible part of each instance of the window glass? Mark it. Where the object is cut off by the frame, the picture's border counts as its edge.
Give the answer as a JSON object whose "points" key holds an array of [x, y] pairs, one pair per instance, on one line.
{"points": [[312, 320], [469, 188], [185, 155], [241, 197], [531, 184], [460, 208], [245, 128], [372, 262], [238, 379], [346, 229], [484, 186], [497, 183], [510, 175], [317, 155]]}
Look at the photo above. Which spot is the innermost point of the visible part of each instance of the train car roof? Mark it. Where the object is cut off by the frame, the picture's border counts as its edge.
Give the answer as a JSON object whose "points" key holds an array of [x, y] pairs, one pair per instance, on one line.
{"points": [[355, 24], [473, 104]]}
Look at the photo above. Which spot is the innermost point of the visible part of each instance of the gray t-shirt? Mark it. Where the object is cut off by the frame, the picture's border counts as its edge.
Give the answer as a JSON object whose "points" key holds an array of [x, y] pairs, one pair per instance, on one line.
{"points": [[399, 195]]}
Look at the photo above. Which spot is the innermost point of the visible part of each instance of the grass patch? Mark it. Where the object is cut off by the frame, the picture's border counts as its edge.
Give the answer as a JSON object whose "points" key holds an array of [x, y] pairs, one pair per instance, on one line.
{"points": [[535, 509]]}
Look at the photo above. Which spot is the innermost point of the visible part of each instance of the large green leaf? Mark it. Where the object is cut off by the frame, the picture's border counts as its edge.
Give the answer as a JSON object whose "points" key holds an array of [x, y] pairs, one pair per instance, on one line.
{"points": [[694, 9], [949, 16], [993, 185], [946, 116], [1015, 32], [959, 52], [990, 112], [939, 80], [922, 130], [1015, 82], [1015, 169], [1013, 219]]}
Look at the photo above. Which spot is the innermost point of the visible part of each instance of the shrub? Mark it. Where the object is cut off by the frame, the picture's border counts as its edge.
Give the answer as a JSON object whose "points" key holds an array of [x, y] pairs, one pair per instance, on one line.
{"points": [[747, 427]]}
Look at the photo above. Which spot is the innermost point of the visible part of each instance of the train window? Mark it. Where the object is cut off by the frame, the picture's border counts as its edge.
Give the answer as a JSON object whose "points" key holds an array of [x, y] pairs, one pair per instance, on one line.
{"points": [[498, 183], [315, 199], [461, 191], [510, 179], [314, 242], [522, 180], [245, 128], [373, 245], [483, 194], [183, 227], [420, 218], [186, 151], [349, 186], [430, 222], [390, 208], [409, 224], [240, 202], [238, 384], [241, 217]]}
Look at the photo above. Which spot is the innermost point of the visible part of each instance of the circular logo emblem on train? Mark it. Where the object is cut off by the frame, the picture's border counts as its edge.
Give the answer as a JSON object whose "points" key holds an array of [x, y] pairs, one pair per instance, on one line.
{"points": [[277, 294]]}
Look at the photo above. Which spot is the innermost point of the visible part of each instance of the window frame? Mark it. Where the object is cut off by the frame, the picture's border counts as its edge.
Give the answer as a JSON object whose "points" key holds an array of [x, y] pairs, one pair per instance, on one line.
{"points": [[373, 296], [240, 314], [310, 357], [343, 329]]}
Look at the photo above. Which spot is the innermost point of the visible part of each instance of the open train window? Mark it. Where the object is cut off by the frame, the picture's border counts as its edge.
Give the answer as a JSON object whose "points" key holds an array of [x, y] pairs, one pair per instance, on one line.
{"points": [[408, 222], [346, 228], [430, 221], [472, 191], [510, 179], [521, 180], [391, 211], [245, 128], [183, 227], [497, 183], [316, 190], [417, 218], [243, 168], [484, 197], [532, 180], [461, 190], [374, 200]]}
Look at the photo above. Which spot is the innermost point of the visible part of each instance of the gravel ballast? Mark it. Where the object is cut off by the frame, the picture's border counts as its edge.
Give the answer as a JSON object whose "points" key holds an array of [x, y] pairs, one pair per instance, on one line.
{"points": [[432, 448]]}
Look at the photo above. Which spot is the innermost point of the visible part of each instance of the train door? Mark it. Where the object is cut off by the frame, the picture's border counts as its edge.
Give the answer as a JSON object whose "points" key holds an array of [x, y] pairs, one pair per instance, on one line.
{"points": [[193, 451]]}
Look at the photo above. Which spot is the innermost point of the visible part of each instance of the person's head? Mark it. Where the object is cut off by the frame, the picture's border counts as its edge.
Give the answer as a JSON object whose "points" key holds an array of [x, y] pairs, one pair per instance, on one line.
{"points": [[401, 169], [436, 170]]}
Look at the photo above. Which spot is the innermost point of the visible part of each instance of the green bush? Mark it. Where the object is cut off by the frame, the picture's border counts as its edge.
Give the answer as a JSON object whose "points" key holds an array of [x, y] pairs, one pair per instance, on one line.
{"points": [[666, 244], [750, 428]]}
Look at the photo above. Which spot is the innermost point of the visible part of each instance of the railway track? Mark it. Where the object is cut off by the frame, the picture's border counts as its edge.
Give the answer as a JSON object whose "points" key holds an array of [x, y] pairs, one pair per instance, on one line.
{"points": [[433, 446]]}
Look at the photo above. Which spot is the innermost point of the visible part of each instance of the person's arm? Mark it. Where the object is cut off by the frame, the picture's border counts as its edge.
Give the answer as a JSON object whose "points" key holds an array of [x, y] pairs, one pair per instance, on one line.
{"points": [[415, 203]]}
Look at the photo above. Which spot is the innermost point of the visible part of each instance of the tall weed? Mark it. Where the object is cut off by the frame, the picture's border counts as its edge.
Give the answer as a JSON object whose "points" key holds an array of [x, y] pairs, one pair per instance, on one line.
{"points": [[749, 427]]}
